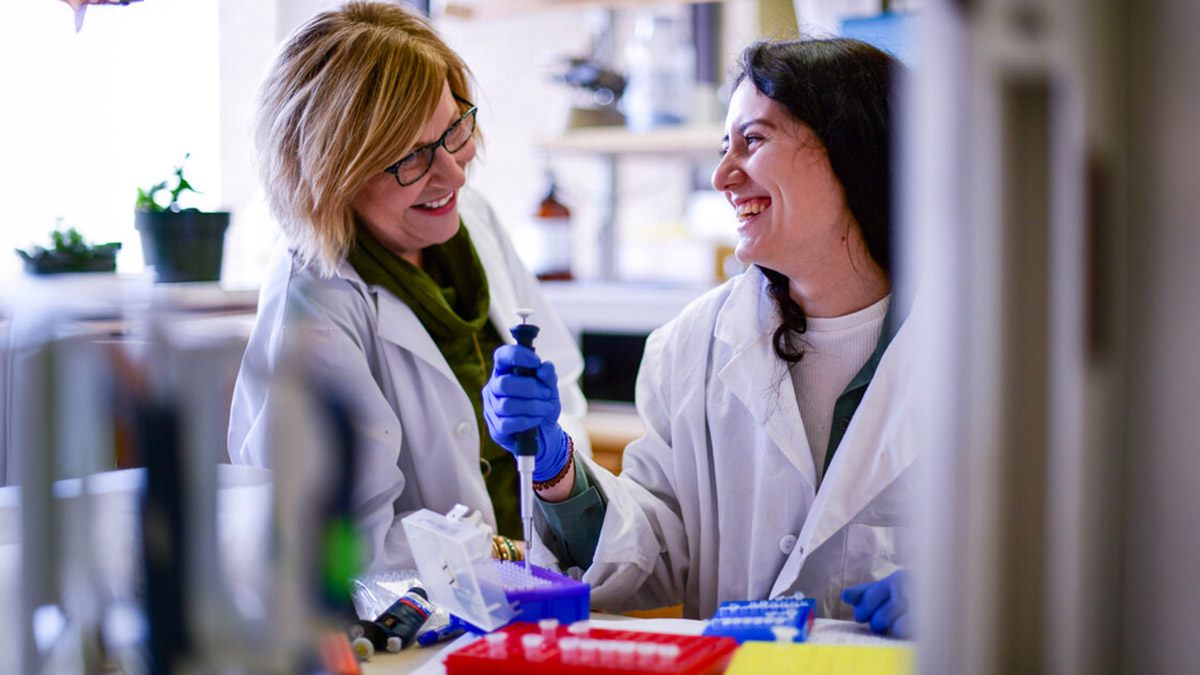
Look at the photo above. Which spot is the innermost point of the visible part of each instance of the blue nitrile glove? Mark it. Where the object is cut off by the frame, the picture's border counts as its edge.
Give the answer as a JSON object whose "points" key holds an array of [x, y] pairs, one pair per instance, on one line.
{"points": [[514, 403], [883, 603]]}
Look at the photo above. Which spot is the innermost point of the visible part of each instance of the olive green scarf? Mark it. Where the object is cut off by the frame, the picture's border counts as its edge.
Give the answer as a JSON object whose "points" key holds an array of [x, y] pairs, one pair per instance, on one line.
{"points": [[449, 295]]}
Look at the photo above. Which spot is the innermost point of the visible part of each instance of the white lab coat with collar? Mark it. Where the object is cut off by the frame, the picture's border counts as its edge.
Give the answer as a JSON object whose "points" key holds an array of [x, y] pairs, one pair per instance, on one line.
{"points": [[419, 443], [718, 501]]}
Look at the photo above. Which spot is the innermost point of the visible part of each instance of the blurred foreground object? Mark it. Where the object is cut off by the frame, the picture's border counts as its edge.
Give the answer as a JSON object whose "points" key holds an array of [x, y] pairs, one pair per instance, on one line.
{"points": [[177, 566]]}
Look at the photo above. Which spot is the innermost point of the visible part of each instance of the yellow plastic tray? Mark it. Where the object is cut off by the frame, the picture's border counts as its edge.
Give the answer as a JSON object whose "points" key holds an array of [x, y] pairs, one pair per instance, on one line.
{"points": [[770, 658]]}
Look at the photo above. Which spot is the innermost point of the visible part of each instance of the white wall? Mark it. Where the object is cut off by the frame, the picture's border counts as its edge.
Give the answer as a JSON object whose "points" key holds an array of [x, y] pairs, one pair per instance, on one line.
{"points": [[249, 36], [115, 106]]}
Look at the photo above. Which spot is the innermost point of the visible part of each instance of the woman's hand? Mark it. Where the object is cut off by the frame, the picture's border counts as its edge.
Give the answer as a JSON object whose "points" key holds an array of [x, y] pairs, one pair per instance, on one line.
{"points": [[514, 403], [882, 604]]}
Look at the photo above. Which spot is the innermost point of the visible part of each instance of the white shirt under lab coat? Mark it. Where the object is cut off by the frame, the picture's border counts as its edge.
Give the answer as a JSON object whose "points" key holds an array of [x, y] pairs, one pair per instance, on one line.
{"points": [[719, 500], [419, 443]]}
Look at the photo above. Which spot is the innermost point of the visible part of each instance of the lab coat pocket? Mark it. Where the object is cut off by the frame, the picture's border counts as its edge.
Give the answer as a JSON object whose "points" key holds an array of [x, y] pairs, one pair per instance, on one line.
{"points": [[872, 552]]}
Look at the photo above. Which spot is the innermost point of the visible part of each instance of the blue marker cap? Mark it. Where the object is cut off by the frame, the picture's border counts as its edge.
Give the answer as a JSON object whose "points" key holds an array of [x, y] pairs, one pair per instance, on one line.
{"points": [[431, 637]]}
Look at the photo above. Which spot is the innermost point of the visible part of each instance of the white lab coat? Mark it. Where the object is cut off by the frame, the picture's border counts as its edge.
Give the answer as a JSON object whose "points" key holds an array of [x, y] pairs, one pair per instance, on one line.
{"points": [[719, 500], [419, 444]]}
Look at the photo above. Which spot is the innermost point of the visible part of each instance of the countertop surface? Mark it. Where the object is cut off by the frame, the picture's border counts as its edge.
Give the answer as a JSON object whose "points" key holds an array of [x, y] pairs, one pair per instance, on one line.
{"points": [[428, 660]]}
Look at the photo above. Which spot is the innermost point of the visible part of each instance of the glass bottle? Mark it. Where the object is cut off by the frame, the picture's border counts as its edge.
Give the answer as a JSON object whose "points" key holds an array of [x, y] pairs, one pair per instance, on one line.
{"points": [[552, 229]]}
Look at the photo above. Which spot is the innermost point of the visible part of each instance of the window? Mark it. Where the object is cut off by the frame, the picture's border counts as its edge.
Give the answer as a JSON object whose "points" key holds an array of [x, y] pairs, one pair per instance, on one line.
{"points": [[90, 116]]}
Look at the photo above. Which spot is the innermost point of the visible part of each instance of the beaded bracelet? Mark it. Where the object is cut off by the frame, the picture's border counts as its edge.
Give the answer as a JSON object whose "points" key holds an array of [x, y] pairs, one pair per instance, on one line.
{"points": [[504, 548], [562, 473]]}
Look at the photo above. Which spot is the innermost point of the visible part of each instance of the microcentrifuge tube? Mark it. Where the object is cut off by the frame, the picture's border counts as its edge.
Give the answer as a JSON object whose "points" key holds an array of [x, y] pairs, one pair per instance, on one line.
{"points": [[534, 647], [568, 648], [532, 641], [668, 652], [495, 644], [646, 650]]}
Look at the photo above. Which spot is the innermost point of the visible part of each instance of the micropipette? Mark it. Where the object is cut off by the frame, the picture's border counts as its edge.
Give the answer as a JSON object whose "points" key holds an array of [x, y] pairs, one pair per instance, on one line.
{"points": [[527, 441]]}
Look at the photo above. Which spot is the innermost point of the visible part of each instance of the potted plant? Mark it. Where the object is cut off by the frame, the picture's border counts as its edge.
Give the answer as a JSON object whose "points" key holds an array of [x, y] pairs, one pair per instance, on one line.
{"points": [[69, 253], [181, 244]]}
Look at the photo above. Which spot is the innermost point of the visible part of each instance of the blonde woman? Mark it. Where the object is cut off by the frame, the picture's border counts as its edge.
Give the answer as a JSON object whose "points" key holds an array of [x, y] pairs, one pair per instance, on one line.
{"points": [[404, 278]]}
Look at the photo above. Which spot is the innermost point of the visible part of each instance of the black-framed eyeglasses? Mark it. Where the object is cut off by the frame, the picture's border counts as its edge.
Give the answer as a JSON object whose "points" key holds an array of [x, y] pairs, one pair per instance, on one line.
{"points": [[417, 163]]}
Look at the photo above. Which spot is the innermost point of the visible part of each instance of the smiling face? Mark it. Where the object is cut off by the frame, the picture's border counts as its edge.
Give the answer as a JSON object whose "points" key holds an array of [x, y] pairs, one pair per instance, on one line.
{"points": [[791, 209], [407, 219]]}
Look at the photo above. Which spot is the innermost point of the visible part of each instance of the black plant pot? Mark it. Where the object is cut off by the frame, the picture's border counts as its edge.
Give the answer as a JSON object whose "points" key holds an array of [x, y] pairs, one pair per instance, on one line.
{"points": [[183, 245]]}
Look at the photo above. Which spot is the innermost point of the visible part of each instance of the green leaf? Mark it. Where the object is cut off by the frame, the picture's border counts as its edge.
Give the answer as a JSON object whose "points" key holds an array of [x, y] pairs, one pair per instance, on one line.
{"points": [[147, 201]]}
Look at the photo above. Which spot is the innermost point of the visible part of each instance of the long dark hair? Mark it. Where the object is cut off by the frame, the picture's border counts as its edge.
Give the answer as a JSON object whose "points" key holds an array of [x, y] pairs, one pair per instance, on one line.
{"points": [[842, 90]]}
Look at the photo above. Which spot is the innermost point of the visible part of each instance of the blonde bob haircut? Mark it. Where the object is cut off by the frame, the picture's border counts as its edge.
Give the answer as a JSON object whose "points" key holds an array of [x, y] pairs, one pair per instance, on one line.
{"points": [[347, 96]]}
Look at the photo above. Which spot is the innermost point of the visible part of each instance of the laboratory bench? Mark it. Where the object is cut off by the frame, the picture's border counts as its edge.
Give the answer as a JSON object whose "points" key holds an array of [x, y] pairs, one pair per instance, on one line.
{"points": [[428, 660]]}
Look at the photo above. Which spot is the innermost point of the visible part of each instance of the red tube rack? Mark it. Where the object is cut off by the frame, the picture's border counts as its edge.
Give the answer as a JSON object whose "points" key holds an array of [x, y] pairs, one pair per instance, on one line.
{"points": [[527, 649]]}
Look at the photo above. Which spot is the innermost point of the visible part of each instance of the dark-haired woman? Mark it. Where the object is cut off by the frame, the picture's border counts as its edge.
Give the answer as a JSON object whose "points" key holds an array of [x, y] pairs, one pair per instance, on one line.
{"points": [[777, 456]]}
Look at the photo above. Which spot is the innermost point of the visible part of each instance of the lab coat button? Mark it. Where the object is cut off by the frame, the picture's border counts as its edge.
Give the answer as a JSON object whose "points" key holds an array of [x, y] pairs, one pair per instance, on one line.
{"points": [[787, 543], [462, 429]]}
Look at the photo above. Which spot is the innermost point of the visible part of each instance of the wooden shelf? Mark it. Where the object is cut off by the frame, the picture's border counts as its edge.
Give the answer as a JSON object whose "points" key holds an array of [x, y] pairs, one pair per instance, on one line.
{"points": [[687, 141], [492, 9], [612, 143]]}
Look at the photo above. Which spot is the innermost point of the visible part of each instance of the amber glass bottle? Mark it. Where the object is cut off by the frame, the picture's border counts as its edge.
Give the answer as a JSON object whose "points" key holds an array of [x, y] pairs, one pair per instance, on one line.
{"points": [[552, 222]]}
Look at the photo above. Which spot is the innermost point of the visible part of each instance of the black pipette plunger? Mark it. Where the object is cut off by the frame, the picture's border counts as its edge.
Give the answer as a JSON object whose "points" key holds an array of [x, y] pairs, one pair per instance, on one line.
{"points": [[527, 441]]}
